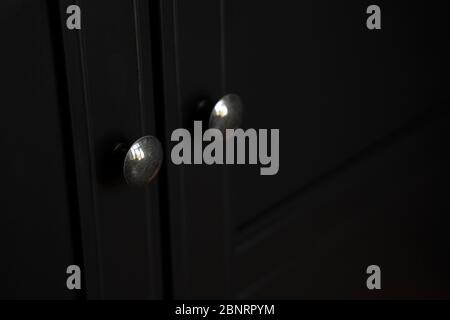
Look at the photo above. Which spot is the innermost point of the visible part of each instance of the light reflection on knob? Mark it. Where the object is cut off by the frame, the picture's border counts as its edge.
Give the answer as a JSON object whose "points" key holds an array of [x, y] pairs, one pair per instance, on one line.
{"points": [[227, 113], [142, 161]]}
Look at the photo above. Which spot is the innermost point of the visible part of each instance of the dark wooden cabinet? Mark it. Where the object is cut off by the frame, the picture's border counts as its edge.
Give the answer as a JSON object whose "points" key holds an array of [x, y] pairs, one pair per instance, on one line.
{"points": [[71, 97], [363, 179], [354, 108]]}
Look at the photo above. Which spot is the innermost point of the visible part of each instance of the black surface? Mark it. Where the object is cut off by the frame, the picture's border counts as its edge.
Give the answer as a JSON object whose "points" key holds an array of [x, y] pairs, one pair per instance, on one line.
{"points": [[363, 125], [38, 211], [339, 93]]}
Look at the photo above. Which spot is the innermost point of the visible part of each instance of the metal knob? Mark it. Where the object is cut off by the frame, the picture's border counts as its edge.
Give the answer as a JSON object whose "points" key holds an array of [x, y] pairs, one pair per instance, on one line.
{"points": [[142, 161], [227, 113]]}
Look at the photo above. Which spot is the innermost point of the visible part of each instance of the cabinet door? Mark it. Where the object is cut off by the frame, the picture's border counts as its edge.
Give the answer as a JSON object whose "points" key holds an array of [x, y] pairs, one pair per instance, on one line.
{"points": [[110, 94], [71, 96], [363, 161]]}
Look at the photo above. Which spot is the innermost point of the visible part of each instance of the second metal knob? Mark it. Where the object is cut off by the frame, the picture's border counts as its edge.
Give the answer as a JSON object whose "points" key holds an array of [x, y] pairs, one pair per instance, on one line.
{"points": [[227, 113]]}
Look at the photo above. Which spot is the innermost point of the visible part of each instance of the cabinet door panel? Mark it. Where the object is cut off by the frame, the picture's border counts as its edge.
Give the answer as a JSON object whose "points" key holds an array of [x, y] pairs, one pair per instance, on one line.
{"points": [[109, 76], [388, 209], [351, 105], [69, 97], [333, 87]]}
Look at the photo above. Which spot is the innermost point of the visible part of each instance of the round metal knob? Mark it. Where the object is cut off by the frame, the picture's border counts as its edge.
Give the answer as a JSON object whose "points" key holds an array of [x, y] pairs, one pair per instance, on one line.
{"points": [[142, 161], [227, 113]]}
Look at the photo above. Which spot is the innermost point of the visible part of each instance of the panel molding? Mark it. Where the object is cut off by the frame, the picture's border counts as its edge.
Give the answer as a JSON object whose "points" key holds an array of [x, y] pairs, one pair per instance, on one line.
{"points": [[119, 226], [277, 216], [300, 225]]}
